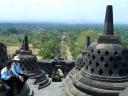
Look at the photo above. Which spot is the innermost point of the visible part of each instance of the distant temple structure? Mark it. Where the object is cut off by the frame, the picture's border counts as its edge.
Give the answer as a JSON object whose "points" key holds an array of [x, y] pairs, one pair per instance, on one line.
{"points": [[106, 66]]}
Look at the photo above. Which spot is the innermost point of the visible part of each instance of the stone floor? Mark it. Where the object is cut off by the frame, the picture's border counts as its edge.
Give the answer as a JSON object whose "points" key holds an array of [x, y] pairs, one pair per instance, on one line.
{"points": [[53, 89]]}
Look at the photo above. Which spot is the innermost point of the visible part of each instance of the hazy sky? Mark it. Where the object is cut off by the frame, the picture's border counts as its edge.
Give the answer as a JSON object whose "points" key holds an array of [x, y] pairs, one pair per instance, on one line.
{"points": [[62, 10]]}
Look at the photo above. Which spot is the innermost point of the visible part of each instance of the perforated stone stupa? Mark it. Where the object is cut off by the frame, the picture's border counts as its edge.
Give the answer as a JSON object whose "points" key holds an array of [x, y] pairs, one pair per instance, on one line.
{"points": [[79, 64], [3, 87], [28, 63], [106, 66]]}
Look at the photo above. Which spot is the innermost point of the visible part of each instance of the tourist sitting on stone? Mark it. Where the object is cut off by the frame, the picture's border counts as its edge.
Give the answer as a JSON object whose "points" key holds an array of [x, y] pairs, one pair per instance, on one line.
{"points": [[16, 70], [60, 73], [8, 78]]}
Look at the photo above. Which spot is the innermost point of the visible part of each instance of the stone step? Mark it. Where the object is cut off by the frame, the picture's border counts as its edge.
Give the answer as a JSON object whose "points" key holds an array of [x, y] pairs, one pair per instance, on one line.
{"points": [[40, 79], [44, 84], [37, 76]]}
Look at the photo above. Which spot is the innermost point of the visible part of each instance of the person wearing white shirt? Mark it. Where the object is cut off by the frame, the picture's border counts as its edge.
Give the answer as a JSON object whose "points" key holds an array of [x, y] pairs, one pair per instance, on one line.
{"points": [[5, 73], [16, 70], [7, 77]]}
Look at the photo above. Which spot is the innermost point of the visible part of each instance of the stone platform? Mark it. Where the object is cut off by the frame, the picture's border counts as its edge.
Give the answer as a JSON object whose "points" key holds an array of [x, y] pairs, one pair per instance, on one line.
{"points": [[53, 89]]}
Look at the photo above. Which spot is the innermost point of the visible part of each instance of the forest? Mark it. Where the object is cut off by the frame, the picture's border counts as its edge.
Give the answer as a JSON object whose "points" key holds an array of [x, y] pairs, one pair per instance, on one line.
{"points": [[48, 37]]}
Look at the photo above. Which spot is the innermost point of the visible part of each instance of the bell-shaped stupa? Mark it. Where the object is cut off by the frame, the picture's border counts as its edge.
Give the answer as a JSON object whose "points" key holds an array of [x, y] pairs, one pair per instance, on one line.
{"points": [[106, 66]]}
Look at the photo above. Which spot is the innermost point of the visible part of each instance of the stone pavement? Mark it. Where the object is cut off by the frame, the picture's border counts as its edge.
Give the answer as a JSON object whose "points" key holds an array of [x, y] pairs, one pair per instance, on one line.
{"points": [[53, 89]]}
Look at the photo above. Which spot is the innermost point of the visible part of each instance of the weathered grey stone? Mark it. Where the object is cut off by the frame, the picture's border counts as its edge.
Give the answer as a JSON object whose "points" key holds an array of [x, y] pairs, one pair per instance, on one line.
{"points": [[80, 60], [25, 91], [124, 92], [3, 55], [3, 61], [28, 63], [3, 89], [87, 42], [106, 66], [108, 25]]}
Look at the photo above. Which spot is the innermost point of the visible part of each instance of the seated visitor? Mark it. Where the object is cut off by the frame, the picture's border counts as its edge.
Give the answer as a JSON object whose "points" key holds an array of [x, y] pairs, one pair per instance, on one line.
{"points": [[7, 77], [17, 72], [60, 73], [57, 76]]}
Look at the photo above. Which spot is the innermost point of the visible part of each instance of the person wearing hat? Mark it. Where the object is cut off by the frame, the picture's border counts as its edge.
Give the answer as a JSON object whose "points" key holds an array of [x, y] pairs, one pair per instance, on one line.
{"points": [[17, 72], [7, 77]]}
